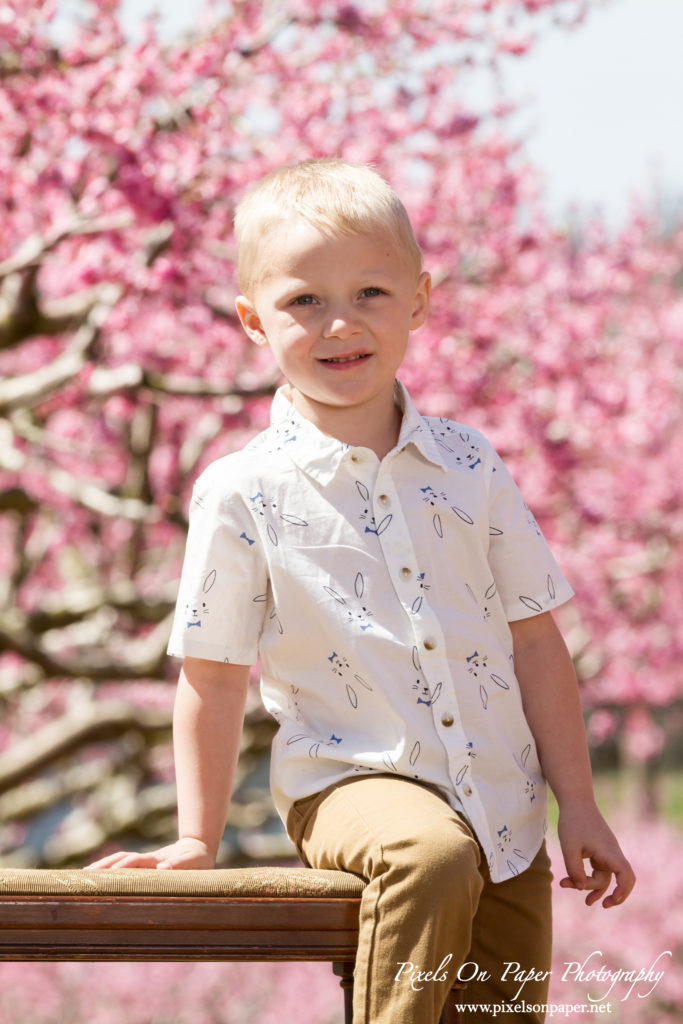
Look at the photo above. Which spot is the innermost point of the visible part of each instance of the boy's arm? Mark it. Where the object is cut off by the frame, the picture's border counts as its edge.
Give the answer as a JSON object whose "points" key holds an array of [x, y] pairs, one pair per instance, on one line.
{"points": [[552, 708], [207, 726]]}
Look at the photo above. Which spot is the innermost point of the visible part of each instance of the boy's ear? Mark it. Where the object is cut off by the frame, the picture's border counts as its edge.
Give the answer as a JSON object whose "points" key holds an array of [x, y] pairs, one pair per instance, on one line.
{"points": [[421, 304], [250, 320]]}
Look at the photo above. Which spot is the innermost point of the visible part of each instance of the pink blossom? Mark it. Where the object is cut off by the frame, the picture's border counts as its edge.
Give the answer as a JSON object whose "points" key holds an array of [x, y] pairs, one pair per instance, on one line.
{"points": [[120, 165]]}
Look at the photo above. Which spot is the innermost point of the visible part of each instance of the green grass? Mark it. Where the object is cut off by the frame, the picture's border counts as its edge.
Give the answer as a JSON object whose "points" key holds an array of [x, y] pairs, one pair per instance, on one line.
{"points": [[628, 792]]}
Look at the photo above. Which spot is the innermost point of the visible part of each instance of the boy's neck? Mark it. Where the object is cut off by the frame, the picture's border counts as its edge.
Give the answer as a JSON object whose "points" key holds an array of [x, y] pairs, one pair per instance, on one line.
{"points": [[376, 429]]}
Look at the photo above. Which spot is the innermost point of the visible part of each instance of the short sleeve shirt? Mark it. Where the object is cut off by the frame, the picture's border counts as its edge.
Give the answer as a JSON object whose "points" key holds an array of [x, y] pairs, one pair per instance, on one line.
{"points": [[377, 595]]}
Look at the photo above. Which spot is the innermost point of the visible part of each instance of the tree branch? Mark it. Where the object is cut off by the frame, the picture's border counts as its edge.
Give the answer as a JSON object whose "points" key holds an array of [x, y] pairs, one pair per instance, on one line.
{"points": [[83, 492], [146, 657], [37, 795], [129, 376], [108, 720], [28, 389], [16, 499], [76, 604], [275, 24], [32, 250]]}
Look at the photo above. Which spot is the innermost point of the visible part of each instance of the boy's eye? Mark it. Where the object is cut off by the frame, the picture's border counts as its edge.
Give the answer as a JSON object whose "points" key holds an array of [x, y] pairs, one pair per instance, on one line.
{"points": [[369, 292], [304, 300]]}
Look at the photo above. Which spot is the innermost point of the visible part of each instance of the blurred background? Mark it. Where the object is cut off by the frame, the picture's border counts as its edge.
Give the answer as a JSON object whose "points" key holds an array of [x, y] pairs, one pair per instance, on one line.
{"points": [[537, 145]]}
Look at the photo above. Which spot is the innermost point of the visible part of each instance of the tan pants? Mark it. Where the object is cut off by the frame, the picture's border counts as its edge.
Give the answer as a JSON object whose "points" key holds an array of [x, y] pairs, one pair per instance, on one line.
{"points": [[429, 905]]}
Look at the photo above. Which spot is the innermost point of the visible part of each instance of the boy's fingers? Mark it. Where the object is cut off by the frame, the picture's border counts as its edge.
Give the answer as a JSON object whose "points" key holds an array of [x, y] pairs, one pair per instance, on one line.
{"points": [[577, 878], [626, 879], [593, 842], [599, 880], [186, 853], [576, 873], [598, 883], [104, 862], [124, 860]]}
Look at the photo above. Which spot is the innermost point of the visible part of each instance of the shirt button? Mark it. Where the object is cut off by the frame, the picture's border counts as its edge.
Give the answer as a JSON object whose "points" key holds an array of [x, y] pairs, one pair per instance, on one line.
{"points": [[383, 500], [356, 458], [406, 573], [429, 643], [447, 719], [467, 790]]}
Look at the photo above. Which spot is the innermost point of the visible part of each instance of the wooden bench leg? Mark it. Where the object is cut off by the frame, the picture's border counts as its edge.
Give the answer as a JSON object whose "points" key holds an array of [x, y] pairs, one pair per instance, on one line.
{"points": [[451, 1012], [344, 971]]}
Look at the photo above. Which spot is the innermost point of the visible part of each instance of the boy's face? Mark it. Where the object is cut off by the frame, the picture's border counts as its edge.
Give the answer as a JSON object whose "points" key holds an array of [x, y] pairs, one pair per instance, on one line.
{"points": [[337, 312]]}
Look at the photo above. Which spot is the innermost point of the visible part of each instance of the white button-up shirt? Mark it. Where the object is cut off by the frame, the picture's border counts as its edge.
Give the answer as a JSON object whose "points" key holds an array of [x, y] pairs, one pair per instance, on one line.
{"points": [[377, 595]]}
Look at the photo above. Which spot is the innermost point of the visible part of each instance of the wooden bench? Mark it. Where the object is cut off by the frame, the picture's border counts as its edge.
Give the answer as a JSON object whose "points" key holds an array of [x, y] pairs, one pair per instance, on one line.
{"points": [[227, 914]]}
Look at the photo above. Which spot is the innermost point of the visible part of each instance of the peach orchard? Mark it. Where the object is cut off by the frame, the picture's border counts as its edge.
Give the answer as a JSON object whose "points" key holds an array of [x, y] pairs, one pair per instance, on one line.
{"points": [[124, 370]]}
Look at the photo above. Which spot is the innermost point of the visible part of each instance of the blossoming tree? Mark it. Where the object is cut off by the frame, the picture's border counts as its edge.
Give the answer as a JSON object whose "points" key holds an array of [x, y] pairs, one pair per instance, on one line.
{"points": [[124, 370]]}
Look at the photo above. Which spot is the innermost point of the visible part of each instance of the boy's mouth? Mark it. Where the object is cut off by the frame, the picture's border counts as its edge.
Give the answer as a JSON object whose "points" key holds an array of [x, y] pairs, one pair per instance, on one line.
{"points": [[355, 358]]}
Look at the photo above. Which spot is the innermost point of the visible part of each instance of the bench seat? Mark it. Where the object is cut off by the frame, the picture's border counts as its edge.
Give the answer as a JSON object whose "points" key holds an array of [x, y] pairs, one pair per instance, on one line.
{"points": [[258, 914]]}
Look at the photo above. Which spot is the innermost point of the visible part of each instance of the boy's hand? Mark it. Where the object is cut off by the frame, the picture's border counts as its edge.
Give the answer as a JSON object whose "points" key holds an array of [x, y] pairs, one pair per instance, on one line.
{"points": [[583, 833], [186, 854]]}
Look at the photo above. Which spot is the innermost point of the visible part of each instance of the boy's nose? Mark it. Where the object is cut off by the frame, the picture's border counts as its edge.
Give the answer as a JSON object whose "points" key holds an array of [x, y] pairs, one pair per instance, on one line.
{"points": [[341, 323]]}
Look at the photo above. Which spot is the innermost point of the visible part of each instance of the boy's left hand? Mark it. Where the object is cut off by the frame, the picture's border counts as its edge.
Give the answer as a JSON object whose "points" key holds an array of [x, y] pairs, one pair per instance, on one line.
{"points": [[584, 833]]}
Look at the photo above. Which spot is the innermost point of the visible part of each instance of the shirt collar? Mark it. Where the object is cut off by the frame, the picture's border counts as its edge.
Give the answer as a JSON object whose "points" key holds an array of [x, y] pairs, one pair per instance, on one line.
{"points": [[320, 456]]}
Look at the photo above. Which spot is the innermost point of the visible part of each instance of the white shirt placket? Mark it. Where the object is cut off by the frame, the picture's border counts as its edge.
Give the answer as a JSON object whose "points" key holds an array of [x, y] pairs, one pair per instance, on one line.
{"points": [[429, 641]]}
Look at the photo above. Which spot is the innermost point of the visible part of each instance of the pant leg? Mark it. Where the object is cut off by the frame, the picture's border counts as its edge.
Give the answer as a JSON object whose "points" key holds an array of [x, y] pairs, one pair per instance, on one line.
{"points": [[513, 926], [422, 865]]}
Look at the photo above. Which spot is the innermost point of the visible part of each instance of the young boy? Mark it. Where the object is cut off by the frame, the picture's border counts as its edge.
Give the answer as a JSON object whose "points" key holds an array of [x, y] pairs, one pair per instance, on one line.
{"points": [[399, 594]]}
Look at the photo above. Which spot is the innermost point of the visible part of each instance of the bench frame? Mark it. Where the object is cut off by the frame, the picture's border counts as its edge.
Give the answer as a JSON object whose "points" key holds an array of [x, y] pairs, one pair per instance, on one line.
{"points": [[36, 926]]}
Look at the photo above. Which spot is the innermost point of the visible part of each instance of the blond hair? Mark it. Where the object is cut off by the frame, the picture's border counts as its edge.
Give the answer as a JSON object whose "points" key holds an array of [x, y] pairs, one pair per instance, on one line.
{"points": [[332, 195]]}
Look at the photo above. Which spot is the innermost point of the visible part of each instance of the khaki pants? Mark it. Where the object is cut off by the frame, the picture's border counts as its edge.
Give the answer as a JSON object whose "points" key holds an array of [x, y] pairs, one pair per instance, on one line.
{"points": [[429, 904]]}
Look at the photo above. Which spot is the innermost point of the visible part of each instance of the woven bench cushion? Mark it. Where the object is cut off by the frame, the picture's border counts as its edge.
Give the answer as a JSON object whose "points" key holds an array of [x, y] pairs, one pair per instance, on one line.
{"points": [[279, 882]]}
